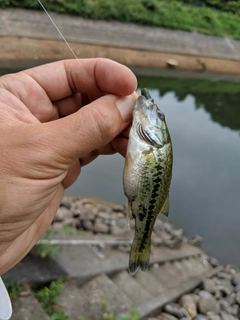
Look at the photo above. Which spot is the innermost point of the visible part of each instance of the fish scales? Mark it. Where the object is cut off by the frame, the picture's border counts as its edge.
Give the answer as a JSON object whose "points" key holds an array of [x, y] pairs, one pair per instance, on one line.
{"points": [[147, 175]]}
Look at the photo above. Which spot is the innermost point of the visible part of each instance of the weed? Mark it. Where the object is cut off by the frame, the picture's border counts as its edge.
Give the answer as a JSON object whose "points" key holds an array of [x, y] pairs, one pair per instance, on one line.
{"points": [[133, 315], [48, 298], [14, 288], [71, 231], [47, 250]]}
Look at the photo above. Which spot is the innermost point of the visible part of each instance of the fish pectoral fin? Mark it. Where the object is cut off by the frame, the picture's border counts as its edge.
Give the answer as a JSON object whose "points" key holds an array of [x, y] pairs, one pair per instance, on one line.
{"points": [[165, 208], [129, 215]]}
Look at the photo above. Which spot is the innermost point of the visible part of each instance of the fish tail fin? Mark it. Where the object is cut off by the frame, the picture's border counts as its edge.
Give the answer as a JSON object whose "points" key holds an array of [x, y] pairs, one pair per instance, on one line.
{"points": [[138, 259]]}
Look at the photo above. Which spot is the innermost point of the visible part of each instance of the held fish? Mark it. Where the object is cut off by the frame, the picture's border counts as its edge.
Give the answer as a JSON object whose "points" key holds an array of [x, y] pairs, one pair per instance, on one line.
{"points": [[147, 175]]}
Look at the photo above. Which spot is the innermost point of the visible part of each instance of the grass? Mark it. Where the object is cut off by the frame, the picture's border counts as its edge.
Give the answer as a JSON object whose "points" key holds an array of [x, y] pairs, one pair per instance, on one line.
{"points": [[48, 298], [47, 250], [174, 14], [15, 288]]}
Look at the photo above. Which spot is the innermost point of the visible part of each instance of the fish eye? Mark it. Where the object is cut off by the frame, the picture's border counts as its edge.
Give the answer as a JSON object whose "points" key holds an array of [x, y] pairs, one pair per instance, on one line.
{"points": [[161, 115]]}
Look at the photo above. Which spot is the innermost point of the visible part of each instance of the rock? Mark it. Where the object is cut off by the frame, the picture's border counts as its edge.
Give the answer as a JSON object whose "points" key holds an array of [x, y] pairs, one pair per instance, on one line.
{"points": [[121, 223], [235, 310], [163, 235], [76, 208], [218, 295], [174, 243], [92, 207], [87, 213], [225, 276], [100, 227], [57, 226], [225, 306], [200, 317], [118, 208], [67, 203], [224, 286], [116, 230], [175, 310], [209, 285], [62, 214], [189, 303], [213, 316], [158, 226], [214, 262], [236, 279], [237, 298], [226, 316], [237, 288], [177, 233], [167, 227], [69, 222], [172, 63], [86, 224], [208, 304], [120, 215], [231, 298], [196, 241], [104, 215], [204, 294], [166, 316]]}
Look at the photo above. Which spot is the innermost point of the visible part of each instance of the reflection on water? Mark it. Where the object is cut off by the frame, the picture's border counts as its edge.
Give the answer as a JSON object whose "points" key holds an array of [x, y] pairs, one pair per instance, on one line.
{"points": [[204, 122]]}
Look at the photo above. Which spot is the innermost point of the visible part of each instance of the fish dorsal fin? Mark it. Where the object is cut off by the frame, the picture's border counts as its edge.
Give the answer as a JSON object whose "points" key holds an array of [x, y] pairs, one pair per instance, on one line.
{"points": [[165, 208]]}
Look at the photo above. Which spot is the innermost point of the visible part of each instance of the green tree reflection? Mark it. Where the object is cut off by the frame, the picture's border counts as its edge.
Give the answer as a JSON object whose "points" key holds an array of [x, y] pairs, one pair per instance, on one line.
{"points": [[219, 98]]}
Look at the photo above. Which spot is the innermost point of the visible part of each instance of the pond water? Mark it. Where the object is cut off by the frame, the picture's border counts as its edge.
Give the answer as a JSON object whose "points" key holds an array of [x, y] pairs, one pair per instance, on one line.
{"points": [[204, 121]]}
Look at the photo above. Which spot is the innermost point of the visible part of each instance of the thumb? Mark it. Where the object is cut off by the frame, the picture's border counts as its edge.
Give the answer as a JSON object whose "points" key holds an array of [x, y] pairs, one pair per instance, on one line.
{"points": [[89, 128]]}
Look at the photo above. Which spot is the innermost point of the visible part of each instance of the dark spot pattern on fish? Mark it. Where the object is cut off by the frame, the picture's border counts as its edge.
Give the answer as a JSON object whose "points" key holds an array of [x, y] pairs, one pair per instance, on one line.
{"points": [[151, 212], [142, 213]]}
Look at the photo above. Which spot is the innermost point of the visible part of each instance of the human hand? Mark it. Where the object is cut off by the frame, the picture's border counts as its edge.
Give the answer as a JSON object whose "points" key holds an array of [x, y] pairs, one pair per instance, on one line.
{"points": [[54, 119]]}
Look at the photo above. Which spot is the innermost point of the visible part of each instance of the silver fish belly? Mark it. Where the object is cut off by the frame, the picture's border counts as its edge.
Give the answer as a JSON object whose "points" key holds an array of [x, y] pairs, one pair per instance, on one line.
{"points": [[147, 175]]}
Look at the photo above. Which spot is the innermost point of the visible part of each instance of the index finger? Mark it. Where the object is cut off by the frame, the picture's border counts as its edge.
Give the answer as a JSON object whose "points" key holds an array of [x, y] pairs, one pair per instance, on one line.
{"points": [[92, 76]]}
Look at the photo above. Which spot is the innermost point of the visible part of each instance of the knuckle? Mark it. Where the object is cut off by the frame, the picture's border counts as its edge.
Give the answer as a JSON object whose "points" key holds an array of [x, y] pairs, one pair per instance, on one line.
{"points": [[106, 123]]}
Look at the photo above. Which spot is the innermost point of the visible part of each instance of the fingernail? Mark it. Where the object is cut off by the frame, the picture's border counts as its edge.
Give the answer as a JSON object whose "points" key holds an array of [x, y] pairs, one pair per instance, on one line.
{"points": [[125, 106]]}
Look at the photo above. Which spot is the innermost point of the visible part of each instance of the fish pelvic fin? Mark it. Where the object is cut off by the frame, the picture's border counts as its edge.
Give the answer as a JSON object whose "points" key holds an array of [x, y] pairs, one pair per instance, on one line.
{"points": [[138, 259]]}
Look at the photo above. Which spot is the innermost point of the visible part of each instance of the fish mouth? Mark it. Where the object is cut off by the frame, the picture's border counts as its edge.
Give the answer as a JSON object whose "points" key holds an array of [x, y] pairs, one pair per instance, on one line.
{"points": [[145, 93]]}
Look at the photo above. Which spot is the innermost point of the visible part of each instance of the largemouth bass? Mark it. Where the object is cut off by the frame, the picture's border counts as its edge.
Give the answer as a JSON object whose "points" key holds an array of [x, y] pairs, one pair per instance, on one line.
{"points": [[147, 175]]}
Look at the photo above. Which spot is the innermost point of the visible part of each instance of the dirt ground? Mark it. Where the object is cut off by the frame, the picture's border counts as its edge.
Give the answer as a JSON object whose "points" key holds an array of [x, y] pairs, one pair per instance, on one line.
{"points": [[20, 51]]}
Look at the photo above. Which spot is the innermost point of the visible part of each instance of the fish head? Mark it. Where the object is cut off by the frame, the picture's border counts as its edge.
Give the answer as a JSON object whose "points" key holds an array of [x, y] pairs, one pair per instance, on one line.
{"points": [[149, 121]]}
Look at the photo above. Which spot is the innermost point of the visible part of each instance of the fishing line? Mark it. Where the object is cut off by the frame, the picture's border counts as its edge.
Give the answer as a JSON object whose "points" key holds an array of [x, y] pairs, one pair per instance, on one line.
{"points": [[39, 1]]}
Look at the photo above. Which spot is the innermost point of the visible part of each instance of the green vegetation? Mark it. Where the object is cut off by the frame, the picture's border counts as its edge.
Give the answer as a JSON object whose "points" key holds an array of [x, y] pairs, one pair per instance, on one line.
{"points": [[133, 314], [226, 5], [14, 288], [215, 17], [47, 250], [219, 98], [71, 231], [48, 298]]}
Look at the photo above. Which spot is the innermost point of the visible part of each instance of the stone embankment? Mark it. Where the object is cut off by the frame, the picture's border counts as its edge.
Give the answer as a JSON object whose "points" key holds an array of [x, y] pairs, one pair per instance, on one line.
{"points": [[182, 281]]}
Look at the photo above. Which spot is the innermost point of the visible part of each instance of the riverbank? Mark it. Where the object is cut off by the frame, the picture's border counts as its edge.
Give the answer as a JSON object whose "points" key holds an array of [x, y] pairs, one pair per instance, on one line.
{"points": [[28, 38]]}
